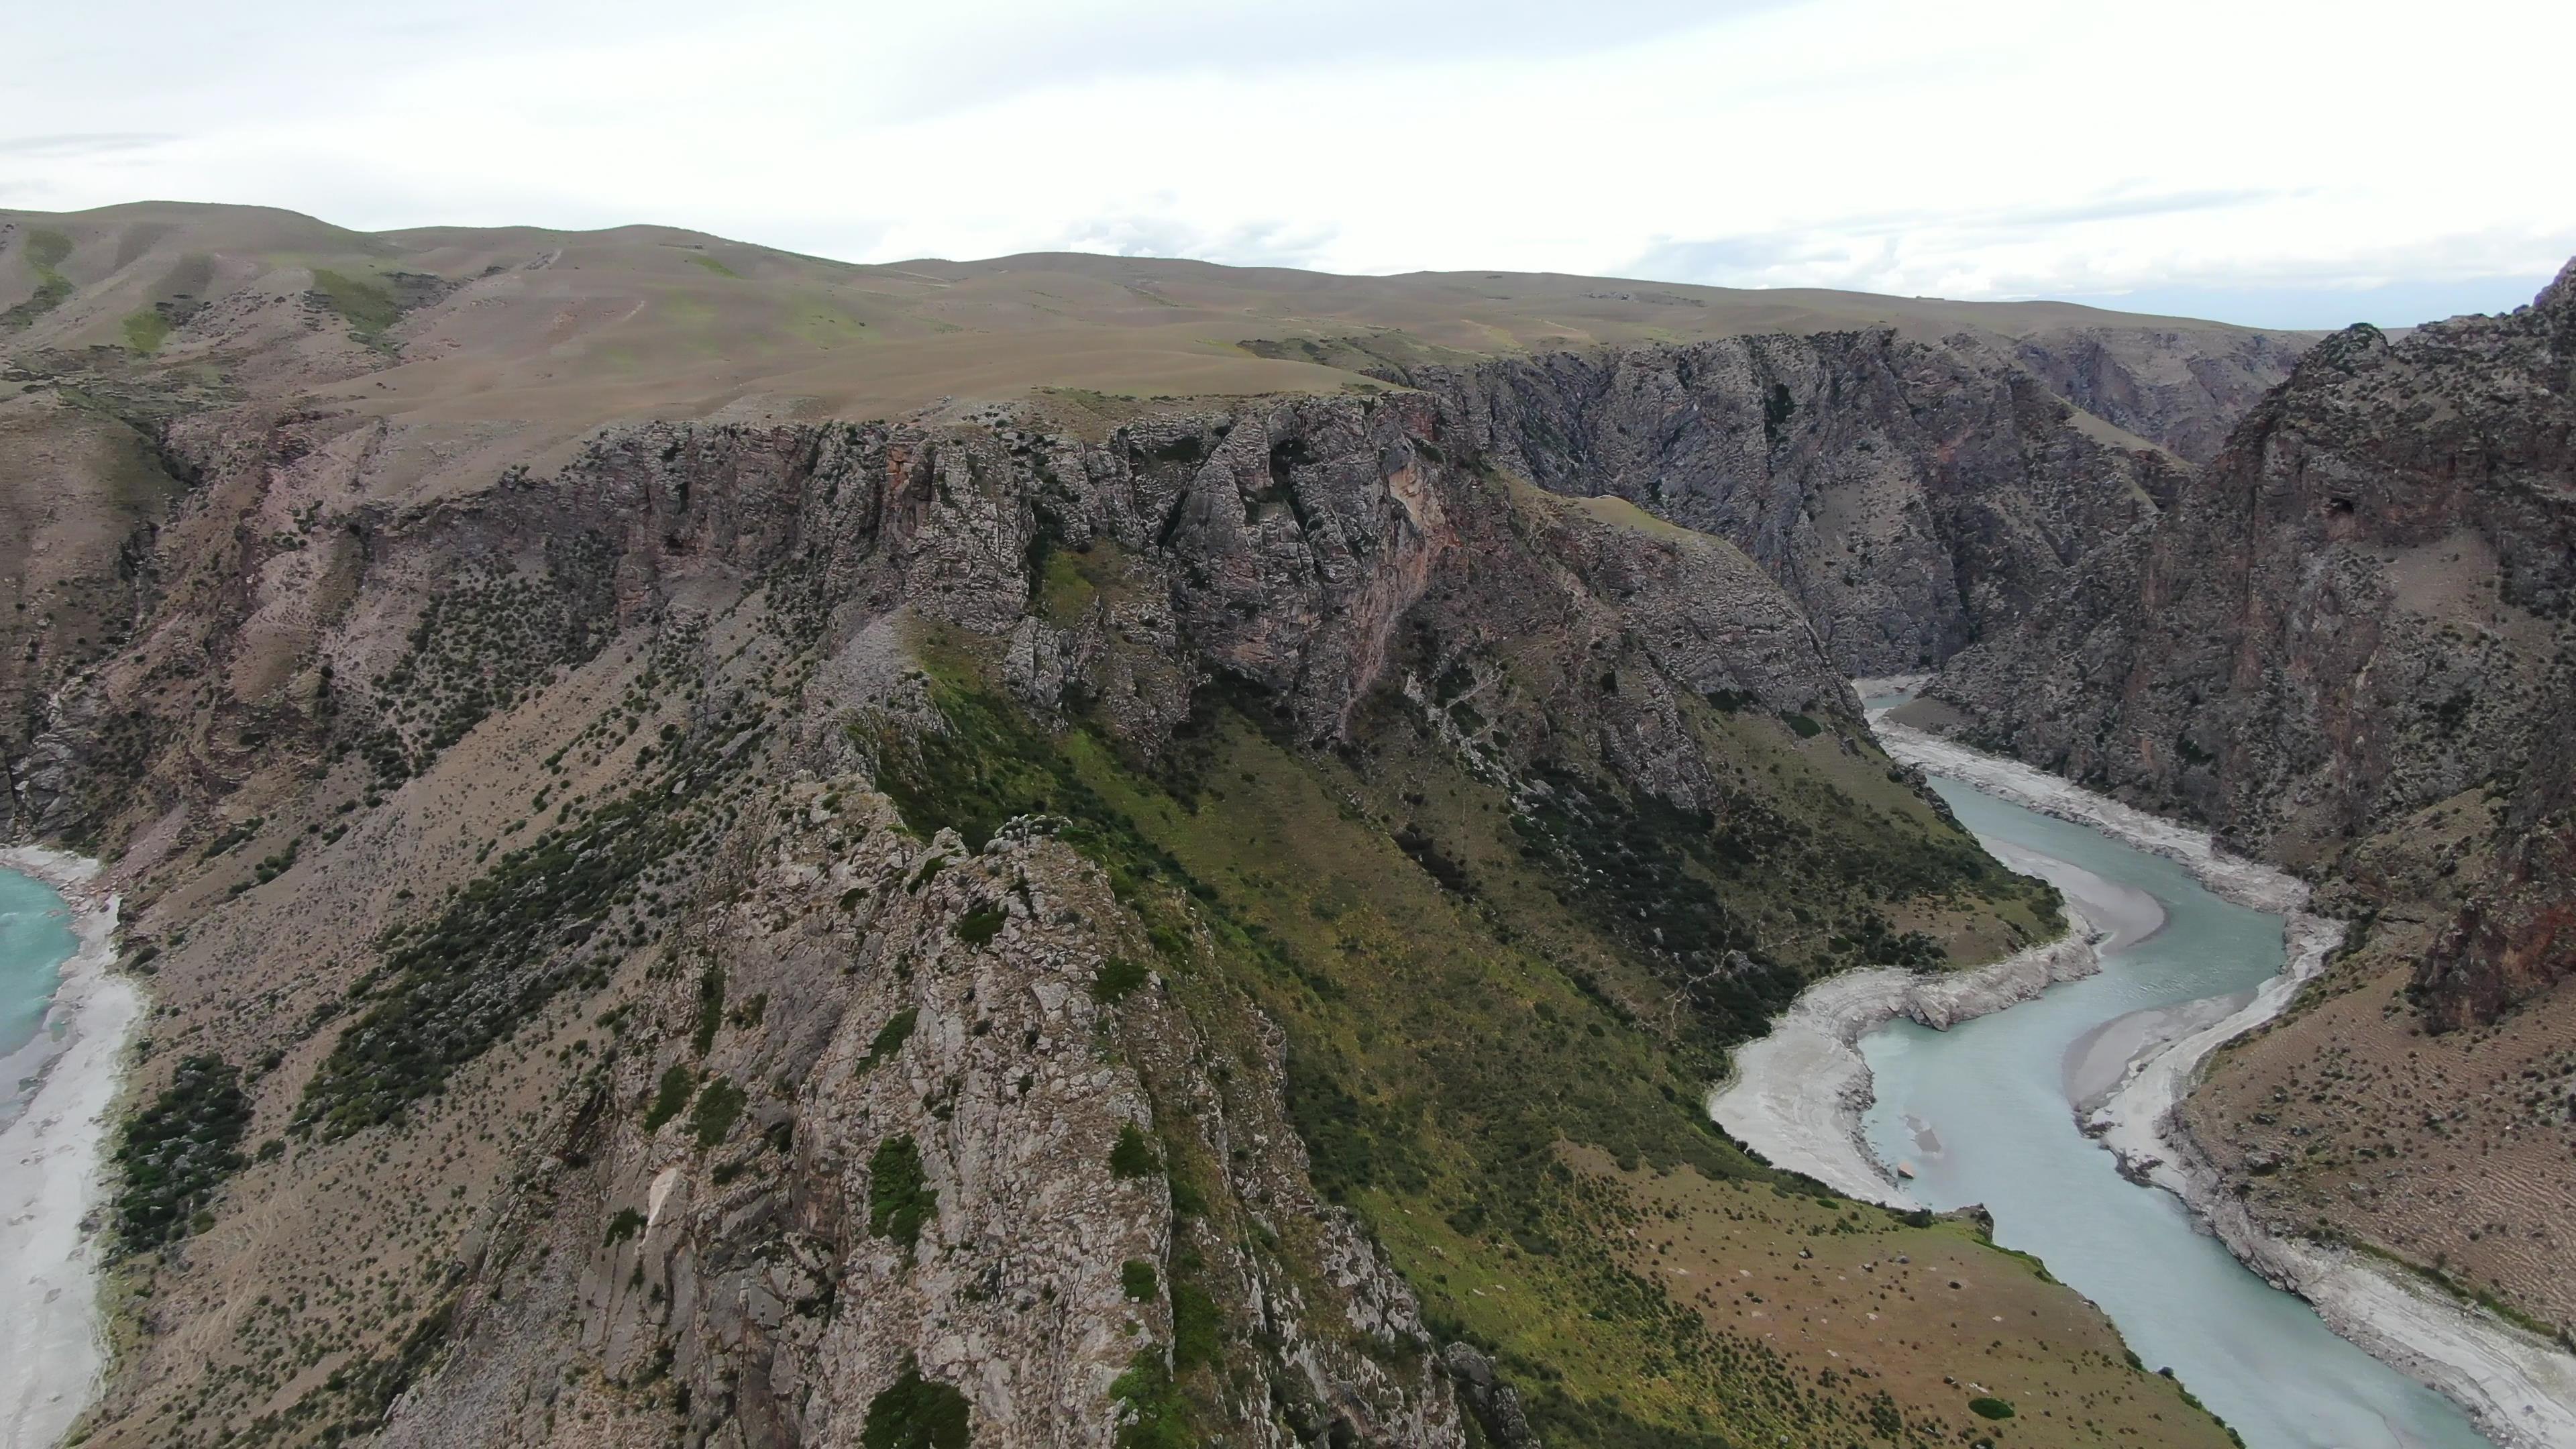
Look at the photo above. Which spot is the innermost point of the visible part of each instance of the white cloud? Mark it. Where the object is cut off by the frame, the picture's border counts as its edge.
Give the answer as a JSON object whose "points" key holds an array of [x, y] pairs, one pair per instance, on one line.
{"points": [[1981, 148]]}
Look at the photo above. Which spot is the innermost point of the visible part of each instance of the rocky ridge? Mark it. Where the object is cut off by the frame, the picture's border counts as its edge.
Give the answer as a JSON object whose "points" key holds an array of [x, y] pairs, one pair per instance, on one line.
{"points": [[1913, 497], [777, 934]]}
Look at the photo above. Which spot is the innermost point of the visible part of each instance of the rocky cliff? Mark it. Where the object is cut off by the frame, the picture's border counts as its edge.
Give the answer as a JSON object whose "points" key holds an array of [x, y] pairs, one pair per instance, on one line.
{"points": [[1009, 930], [2346, 647], [2356, 611], [1093, 918], [1912, 497]]}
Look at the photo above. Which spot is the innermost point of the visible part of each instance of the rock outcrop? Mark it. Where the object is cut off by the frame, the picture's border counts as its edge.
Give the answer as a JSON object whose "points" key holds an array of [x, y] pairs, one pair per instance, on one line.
{"points": [[2356, 611], [1912, 497], [770, 934]]}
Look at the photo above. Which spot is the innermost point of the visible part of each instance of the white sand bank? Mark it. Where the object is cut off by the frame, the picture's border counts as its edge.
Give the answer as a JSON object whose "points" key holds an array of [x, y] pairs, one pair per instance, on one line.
{"points": [[1798, 1093], [50, 1160]]}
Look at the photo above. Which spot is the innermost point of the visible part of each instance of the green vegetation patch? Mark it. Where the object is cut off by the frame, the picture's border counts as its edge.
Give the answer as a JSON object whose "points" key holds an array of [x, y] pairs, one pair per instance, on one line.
{"points": [[717, 267], [483, 643], [174, 1154], [1116, 977], [711, 997], [1160, 1417], [670, 1098], [1136, 1279], [916, 1413], [366, 305], [900, 1197], [146, 330], [720, 1105], [452, 985], [980, 925], [45, 251], [1990, 1408], [1446, 1046], [1133, 1155], [890, 1038]]}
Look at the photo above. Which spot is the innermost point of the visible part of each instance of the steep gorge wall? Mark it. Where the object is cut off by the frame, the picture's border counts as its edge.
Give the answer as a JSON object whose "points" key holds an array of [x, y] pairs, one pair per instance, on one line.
{"points": [[2358, 610], [1911, 497], [744, 936]]}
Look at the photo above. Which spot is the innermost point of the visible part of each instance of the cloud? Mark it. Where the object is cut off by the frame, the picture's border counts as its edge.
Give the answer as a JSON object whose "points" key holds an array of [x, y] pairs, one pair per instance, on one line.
{"points": [[990, 51], [1855, 250], [2304, 307], [72, 144], [1250, 244]]}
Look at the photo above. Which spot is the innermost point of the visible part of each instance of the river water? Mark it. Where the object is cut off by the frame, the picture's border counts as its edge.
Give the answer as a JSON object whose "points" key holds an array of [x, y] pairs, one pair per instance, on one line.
{"points": [[35, 939], [1982, 1114]]}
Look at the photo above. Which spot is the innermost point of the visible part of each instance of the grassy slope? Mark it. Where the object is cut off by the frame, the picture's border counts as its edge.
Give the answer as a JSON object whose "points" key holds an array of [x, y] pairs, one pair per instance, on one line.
{"points": [[1493, 1084]]}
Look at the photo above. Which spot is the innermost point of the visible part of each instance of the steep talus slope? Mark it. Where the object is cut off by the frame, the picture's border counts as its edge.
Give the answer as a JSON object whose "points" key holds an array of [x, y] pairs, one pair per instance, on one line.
{"points": [[1911, 496], [826, 933], [2347, 648]]}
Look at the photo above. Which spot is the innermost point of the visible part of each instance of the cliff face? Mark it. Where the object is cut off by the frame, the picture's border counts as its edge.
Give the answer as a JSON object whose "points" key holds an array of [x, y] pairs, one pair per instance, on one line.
{"points": [[2181, 390], [1078, 921], [1911, 497], [803, 934], [2357, 610]]}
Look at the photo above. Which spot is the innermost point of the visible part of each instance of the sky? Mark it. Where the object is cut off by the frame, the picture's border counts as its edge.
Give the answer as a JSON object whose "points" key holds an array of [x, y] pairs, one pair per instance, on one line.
{"points": [[2265, 162]]}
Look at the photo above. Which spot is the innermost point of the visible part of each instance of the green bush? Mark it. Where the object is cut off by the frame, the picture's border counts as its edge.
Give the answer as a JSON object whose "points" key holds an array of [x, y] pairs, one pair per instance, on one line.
{"points": [[900, 1198], [175, 1153], [1990, 1408], [1117, 977], [980, 925], [718, 1107], [1133, 1156], [916, 1413], [1136, 1279], [711, 997], [670, 1097], [890, 1039], [1161, 1418]]}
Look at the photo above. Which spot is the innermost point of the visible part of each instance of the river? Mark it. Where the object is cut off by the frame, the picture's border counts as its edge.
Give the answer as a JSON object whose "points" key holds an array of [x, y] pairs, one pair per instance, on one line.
{"points": [[64, 1022], [1983, 1113], [35, 940]]}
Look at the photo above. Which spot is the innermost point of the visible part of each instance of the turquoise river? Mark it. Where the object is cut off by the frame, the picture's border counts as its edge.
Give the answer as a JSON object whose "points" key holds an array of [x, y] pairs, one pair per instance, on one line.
{"points": [[1982, 1114], [35, 939]]}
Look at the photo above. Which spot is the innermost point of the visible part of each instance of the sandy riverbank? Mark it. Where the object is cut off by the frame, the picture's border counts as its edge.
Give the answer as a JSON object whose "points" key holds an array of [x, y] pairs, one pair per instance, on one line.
{"points": [[1798, 1094], [2517, 1387], [50, 1169]]}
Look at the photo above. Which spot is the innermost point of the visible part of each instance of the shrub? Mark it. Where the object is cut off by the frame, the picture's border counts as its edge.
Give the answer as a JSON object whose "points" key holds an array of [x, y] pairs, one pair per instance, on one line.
{"points": [[900, 1198], [1160, 1420], [711, 996], [1136, 1279], [626, 1224], [670, 1097], [1132, 1156], [916, 1413], [890, 1038], [1990, 1408], [177, 1151], [1117, 977], [718, 1106], [980, 925]]}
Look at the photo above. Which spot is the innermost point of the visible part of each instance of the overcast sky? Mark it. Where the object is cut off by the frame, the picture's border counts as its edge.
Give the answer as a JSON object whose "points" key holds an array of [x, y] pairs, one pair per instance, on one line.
{"points": [[2288, 164]]}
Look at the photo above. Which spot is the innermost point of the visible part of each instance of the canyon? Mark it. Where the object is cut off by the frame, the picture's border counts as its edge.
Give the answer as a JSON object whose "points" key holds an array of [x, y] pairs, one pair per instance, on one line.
{"points": [[1079, 849]]}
